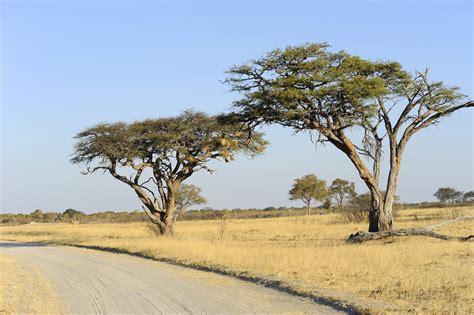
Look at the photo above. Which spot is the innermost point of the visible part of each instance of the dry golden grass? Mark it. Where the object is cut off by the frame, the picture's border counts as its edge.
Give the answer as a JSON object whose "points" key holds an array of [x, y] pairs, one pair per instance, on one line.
{"points": [[423, 274], [24, 290]]}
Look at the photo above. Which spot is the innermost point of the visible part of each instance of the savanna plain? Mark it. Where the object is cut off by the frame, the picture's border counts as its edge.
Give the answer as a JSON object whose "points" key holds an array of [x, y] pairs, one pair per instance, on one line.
{"points": [[305, 253]]}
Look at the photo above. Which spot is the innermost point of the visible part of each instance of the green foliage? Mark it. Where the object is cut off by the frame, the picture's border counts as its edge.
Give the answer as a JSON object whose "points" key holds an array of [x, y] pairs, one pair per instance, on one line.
{"points": [[361, 202], [327, 204], [193, 137], [448, 194], [308, 87], [308, 188], [187, 196], [37, 215], [468, 196], [342, 190], [73, 214], [357, 210]]}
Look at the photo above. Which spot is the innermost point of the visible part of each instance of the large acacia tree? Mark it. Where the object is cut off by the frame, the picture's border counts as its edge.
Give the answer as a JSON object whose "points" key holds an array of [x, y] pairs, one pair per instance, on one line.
{"points": [[357, 105], [155, 156]]}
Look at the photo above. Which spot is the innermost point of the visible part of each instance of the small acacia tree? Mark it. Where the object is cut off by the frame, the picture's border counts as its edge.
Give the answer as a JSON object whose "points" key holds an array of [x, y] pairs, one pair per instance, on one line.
{"points": [[307, 189], [448, 194], [37, 215], [73, 214], [342, 190], [309, 88], [187, 196], [357, 209], [160, 154], [468, 196]]}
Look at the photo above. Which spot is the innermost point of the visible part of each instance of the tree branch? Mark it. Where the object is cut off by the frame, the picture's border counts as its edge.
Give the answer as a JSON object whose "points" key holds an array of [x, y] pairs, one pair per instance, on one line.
{"points": [[361, 237]]}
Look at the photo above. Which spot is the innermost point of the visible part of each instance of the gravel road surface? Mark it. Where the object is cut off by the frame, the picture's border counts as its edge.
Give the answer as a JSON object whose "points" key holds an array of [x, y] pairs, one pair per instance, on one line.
{"points": [[93, 282]]}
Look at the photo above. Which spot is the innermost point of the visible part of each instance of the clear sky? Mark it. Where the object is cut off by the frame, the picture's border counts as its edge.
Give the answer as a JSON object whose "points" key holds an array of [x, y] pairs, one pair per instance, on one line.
{"points": [[66, 65]]}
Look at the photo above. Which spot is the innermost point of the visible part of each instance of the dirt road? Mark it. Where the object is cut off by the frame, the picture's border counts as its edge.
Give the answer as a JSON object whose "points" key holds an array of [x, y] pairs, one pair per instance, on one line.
{"points": [[91, 282]]}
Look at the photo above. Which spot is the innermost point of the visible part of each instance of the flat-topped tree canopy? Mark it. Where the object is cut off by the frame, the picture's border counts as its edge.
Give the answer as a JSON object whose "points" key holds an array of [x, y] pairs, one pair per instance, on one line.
{"points": [[171, 148], [310, 88]]}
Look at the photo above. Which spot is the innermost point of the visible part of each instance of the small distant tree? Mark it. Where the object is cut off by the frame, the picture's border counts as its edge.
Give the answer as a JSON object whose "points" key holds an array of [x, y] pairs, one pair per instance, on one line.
{"points": [[169, 149], [51, 216], [188, 196], [357, 209], [342, 190], [37, 215], [307, 189], [361, 202], [327, 204], [73, 214], [468, 196], [222, 219], [448, 194]]}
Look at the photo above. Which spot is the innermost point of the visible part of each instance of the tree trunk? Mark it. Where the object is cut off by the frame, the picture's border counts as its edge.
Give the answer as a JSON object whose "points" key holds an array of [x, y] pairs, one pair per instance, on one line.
{"points": [[376, 206], [386, 216], [308, 207], [164, 221], [380, 215], [168, 218], [338, 204], [374, 214], [346, 146], [166, 228]]}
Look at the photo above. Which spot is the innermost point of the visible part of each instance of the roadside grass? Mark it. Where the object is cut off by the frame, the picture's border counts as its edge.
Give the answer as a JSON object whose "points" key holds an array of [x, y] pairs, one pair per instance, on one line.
{"points": [[309, 254], [25, 290]]}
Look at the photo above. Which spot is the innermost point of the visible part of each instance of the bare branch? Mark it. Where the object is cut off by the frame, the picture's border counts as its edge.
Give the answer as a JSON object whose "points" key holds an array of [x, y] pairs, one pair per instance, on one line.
{"points": [[91, 170]]}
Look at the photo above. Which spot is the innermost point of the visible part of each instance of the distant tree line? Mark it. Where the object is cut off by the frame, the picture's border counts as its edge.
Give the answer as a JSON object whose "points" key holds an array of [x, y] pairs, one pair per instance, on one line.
{"points": [[72, 216], [39, 216], [339, 197]]}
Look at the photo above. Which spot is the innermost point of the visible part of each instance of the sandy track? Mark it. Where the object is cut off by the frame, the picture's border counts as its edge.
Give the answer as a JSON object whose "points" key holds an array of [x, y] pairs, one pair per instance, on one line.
{"points": [[25, 290], [90, 282]]}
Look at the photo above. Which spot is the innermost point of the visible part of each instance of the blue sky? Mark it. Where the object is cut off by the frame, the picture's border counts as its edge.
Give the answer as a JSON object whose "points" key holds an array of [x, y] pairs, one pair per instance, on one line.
{"points": [[66, 65]]}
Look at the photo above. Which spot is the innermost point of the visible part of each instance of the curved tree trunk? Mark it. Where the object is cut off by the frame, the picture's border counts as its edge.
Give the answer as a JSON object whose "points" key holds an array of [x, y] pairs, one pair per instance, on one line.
{"points": [[164, 220], [166, 227], [376, 213]]}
